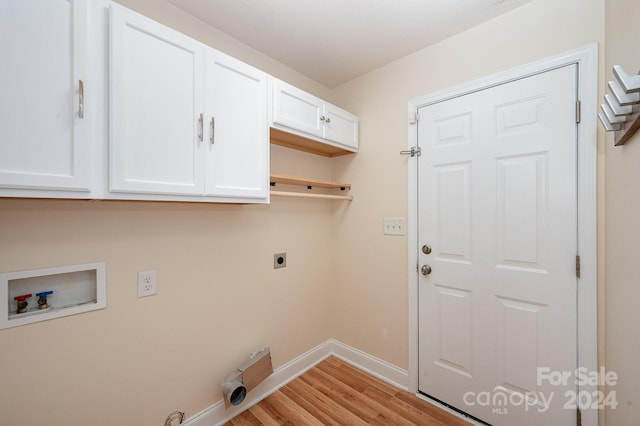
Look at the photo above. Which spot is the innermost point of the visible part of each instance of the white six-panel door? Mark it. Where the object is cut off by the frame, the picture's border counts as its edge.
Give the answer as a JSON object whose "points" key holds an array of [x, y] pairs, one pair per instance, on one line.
{"points": [[497, 206]]}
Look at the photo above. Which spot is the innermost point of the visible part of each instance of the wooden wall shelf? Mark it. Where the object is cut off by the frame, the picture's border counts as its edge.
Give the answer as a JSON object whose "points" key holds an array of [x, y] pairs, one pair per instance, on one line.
{"points": [[290, 140], [310, 184], [292, 180], [305, 195]]}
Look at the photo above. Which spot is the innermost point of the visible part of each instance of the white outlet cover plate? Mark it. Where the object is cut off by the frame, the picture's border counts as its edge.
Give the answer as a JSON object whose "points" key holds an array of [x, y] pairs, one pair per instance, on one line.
{"points": [[394, 226], [147, 283]]}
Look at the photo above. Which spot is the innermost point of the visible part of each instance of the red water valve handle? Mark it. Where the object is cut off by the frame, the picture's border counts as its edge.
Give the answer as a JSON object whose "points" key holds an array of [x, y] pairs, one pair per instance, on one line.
{"points": [[23, 297]]}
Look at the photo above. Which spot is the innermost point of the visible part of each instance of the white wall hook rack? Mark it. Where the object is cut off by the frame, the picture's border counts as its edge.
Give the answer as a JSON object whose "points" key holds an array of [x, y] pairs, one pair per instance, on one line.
{"points": [[608, 126], [621, 110], [616, 107], [613, 118], [630, 83], [623, 97]]}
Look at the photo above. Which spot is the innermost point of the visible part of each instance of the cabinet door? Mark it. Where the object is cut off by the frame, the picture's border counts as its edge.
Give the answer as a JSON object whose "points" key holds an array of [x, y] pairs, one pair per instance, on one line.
{"points": [[156, 101], [297, 110], [44, 141], [341, 126], [236, 128]]}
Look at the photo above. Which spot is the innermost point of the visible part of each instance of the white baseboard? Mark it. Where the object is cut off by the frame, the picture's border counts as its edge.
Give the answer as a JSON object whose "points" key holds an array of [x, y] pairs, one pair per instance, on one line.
{"points": [[375, 366], [217, 414]]}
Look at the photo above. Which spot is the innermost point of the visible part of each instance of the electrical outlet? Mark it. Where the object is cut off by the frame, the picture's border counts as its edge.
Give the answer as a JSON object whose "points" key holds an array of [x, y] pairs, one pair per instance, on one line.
{"points": [[394, 226], [147, 283]]}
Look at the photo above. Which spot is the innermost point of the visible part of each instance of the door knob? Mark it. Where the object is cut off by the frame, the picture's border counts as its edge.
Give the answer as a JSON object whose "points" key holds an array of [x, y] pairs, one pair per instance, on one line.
{"points": [[426, 249], [426, 269]]}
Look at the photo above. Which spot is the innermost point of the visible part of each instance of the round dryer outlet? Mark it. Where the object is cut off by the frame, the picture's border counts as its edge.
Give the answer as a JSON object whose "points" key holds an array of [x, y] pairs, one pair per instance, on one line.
{"points": [[279, 260]]}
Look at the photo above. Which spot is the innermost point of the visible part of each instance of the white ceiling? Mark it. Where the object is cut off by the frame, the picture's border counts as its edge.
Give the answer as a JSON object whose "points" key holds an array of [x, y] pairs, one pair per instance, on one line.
{"points": [[334, 41]]}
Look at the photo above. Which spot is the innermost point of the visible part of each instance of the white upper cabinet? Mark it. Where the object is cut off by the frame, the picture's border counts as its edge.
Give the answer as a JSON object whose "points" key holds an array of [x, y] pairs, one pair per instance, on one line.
{"points": [[236, 130], [45, 88], [156, 108], [296, 109], [302, 113], [341, 126], [186, 122]]}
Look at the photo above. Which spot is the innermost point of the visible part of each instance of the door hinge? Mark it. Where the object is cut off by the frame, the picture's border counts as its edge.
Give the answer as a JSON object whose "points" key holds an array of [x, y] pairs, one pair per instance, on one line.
{"points": [[413, 117], [578, 266], [415, 150], [578, 417], [578, 111]]}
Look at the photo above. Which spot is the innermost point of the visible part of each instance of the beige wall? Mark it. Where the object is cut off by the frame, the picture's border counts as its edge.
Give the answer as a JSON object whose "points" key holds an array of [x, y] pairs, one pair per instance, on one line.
{"points": [[371, 269], [344, 279], [219, 297], [622, 229]]}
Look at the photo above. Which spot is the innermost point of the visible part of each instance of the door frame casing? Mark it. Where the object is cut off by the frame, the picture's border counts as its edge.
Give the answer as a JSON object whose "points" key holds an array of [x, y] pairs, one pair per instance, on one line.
{"points": [[586, 59]]}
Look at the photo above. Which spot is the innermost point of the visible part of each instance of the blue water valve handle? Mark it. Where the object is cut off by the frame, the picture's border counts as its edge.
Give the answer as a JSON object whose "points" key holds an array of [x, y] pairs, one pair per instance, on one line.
{"points": [[42, 299]]}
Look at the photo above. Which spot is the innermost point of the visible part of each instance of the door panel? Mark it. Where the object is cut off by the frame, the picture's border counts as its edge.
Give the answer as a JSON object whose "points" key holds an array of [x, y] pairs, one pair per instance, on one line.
{"points": [[297, 110], [452, 208], [521, 190], [516, 351], [237, 140], [497, 203], [454, 327], [156, 97], [45, 142], [341, 126]]}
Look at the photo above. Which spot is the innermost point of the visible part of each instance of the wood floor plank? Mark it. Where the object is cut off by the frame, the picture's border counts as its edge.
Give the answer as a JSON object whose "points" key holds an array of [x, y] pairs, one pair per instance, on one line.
{"points": [[291, 412], [356, 414], [345, 397], [246, 419], [262, 415], [354, 378], [272, 411], [374, 393], [336, 393], [326, 409], [314, 407], [357, 401], [370, 386]]}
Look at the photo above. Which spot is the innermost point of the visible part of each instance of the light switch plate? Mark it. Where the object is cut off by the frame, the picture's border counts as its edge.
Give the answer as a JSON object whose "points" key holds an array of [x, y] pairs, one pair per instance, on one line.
{"points": [[395, 226]]}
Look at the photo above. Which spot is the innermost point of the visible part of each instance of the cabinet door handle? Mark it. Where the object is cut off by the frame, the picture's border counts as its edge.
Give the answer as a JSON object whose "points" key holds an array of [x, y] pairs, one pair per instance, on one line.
{"points": [[212, 137], [323, 118], [80, 98], [327, 120], [200, 130]]}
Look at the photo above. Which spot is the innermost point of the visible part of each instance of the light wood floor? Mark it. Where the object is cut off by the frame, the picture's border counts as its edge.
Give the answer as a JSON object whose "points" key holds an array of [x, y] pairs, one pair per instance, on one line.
{"points": [[335, 393]]}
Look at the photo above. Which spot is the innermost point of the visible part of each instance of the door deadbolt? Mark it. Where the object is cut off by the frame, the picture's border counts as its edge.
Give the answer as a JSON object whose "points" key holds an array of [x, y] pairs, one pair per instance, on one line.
{"points": [[426, 269], [426, 249]]}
